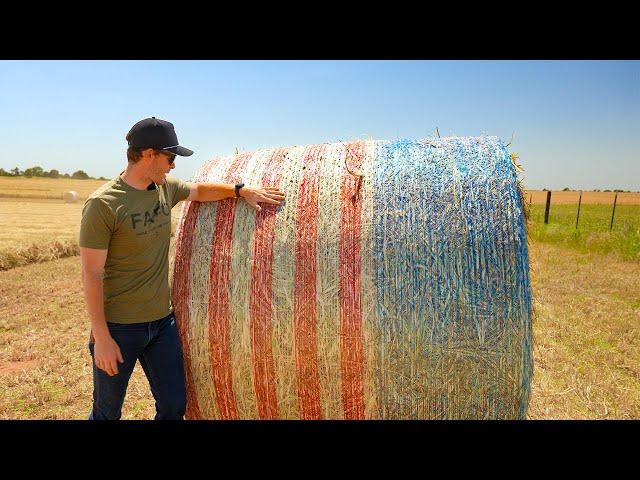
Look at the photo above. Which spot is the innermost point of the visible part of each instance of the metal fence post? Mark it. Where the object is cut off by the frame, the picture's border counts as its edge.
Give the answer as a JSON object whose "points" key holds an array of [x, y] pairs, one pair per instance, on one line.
{"points": [[615, 200], [579, 203], [546, 210]]}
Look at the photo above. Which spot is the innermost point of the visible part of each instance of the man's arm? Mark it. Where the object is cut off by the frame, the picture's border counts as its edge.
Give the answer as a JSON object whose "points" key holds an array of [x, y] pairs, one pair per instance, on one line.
{"points": [[106, 351], [211, 192]]}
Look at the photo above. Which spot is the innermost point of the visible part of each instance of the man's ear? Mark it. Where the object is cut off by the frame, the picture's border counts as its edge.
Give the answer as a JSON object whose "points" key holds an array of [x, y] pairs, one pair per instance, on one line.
{"points": [[147, 153]]}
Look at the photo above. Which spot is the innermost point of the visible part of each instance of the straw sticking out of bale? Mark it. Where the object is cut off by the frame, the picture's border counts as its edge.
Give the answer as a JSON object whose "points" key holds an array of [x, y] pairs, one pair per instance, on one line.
{"points": [[392, 283]]}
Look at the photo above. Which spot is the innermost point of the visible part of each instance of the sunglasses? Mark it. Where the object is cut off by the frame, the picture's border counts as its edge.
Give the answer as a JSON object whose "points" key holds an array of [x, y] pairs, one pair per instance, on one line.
{"points": [[170, 158]]}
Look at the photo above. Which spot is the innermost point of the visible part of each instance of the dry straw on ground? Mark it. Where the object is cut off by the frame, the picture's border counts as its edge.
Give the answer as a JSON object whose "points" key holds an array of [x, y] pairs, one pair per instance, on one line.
{"points": [[36, 253], [401, 293], [586, 349]]}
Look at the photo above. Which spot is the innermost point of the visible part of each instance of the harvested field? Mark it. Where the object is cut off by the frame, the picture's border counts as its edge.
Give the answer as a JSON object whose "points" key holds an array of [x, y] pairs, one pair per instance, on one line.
{"points": [[586, 337], [37, 221], [586, 340], [539, 197], [33, 230], [46, 188]]}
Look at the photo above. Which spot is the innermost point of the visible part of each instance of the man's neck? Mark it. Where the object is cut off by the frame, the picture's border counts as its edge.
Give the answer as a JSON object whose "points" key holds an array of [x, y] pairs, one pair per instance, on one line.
{"points": [[135, 178]]}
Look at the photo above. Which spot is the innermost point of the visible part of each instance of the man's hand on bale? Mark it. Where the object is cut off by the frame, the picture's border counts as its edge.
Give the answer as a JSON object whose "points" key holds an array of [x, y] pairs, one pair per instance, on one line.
{"points": [[255, 195]]}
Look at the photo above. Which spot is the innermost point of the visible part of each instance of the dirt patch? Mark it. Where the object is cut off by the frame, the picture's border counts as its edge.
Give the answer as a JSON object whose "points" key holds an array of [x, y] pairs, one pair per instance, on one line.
{"points": [[8, 368]]}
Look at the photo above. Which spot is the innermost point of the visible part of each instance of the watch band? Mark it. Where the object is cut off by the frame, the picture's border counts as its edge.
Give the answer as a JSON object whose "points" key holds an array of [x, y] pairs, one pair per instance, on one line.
{"points": [[238, 187]]}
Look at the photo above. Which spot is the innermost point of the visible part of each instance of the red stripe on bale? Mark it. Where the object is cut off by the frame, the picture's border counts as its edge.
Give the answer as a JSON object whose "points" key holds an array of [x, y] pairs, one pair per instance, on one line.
{"points": [[180, 290], [351, 341], [304, 306], [264, 375], [219, 317]]}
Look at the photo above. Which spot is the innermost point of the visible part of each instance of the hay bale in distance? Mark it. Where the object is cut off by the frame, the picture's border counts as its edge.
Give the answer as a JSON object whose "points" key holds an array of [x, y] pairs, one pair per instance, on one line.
{"points": [[400, 294], [70, 197]]}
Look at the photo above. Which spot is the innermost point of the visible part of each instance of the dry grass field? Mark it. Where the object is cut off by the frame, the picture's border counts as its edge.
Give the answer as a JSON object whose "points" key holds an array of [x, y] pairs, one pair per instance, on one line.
{"points": [[35, 223], [586, 336], [38, 221], [28, 221], [586, 340], [539, 197], [46, 188], [37, 229]]}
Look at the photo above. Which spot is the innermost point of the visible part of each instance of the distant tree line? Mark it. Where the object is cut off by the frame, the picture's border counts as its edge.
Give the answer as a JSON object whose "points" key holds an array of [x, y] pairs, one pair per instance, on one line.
{"points": [[53, 173]]}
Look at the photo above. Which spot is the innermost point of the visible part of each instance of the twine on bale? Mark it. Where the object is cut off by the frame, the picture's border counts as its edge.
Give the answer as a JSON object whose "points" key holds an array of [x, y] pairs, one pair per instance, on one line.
{"points": [[355, 173], [393, 282]]}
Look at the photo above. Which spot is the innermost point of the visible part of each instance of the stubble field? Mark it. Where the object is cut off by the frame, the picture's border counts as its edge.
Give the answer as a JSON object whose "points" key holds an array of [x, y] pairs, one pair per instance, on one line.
{"points": [[46, 188], [586, 336]]}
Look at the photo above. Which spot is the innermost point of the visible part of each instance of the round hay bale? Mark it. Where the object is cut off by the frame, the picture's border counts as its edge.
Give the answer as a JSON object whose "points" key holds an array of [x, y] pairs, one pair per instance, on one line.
{"points": [[70, 197], [402, 293]]}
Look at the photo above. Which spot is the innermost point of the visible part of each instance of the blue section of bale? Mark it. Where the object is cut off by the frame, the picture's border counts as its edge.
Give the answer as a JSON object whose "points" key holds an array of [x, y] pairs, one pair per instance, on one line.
{"points": [[452, 278]]}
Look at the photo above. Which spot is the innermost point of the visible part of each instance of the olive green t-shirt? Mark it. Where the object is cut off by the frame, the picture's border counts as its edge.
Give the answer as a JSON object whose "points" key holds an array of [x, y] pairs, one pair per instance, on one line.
{"points": [[135, 226]]}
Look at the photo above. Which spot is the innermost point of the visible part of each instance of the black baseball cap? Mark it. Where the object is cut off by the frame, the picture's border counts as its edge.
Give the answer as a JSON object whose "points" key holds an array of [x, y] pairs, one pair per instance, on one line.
{"points": [[155, 133]]}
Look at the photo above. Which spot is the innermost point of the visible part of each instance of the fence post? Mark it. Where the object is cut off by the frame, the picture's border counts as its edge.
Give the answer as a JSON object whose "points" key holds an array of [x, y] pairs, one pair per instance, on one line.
{"points": [[579, 203], [615, 200], [546, 210]]}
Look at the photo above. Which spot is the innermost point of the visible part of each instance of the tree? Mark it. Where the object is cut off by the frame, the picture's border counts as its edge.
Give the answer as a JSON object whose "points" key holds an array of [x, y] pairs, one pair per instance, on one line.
{"points": [[80, 175], [566, 189], [53, 173], [33, 172], [4, 173], [16, 172]]}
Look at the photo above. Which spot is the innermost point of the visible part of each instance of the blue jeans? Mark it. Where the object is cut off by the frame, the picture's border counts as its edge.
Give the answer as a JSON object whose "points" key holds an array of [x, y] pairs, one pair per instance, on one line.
{"points": [[157, 346]]}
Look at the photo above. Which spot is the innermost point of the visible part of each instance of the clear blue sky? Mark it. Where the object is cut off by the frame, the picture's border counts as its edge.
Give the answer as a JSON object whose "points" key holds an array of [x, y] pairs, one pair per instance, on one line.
{"points": [[576, 123]]}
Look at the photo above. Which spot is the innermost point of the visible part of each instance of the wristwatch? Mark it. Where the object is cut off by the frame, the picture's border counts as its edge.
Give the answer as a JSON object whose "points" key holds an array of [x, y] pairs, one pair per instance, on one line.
{"points": [[238, 187]]}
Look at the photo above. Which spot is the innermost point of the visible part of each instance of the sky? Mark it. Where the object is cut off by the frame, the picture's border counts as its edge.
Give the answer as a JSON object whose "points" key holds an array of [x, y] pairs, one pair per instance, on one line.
{"points": [[575, 124]]}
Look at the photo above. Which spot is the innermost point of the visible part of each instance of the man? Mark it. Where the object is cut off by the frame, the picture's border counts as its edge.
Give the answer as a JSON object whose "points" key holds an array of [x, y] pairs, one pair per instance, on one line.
{"points": [[124, 245]]}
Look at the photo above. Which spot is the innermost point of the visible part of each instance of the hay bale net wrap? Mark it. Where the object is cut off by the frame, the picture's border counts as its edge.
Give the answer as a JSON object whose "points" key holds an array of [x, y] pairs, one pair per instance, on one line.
{"points": [[403, 293], [70, 197]]}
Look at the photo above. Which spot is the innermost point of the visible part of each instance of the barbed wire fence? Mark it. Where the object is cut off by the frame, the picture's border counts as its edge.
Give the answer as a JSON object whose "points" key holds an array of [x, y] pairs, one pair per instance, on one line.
{"points": [[550, 218]]}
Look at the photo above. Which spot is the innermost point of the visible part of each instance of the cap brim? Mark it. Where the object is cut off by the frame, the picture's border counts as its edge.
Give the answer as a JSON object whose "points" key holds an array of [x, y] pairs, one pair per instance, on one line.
{"points": [[183, 152]]}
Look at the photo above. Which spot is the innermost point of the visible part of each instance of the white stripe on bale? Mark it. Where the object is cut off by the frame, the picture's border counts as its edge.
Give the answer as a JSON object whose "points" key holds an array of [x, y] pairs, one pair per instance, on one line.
{"points": [[328, 283], [239, 292], [370, 329], [198, 322], [283, 350]]}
